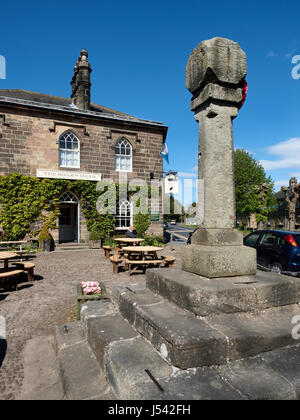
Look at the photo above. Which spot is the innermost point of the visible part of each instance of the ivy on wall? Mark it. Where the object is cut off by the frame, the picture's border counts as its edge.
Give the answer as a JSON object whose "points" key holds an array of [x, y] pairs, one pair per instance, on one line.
{"points": [[26, 200]]}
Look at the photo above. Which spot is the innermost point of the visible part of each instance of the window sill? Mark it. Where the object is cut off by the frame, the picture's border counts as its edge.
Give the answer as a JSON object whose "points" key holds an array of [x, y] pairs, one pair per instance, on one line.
{"points": [[69, 167]]}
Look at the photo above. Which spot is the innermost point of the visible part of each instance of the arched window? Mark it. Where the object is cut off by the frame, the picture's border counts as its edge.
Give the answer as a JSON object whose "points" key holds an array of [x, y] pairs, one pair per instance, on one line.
{"points": [[123, 214], [69, 150], [123, 155], [68, 197]]}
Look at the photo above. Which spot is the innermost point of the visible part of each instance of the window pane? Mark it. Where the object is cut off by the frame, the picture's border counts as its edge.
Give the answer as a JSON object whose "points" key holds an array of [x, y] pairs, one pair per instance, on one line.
{"points": [[123, 214], [123, 155], [117, 163], [268, 239], [68, 150], [252, 239]]}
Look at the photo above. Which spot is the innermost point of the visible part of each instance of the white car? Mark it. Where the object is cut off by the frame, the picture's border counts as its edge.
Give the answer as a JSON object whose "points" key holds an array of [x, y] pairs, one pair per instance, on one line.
{"points": [[173, 222]]}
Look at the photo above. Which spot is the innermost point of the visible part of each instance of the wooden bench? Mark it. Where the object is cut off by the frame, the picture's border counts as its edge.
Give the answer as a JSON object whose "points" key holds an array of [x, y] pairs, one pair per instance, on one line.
{"points": [[8, 277], [27, 266], [116, 260], [143, 263], [107, 250], [169, 261]]}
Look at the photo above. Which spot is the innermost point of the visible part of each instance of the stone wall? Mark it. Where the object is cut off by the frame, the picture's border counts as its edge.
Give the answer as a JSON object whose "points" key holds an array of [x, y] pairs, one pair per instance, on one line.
{"points": [[29, 141]]}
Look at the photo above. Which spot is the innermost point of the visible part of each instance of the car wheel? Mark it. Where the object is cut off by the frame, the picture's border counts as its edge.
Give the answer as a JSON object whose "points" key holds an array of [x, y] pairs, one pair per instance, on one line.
{"points": [[276, 267]]}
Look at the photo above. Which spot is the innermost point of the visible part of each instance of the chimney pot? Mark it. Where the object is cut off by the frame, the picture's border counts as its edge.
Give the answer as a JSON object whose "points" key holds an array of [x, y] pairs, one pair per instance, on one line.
{"points": [[81, 83]]}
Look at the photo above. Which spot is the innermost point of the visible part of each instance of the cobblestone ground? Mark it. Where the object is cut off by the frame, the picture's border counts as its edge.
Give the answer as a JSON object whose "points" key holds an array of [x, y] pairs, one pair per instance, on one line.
{"points": [[36, 308]]}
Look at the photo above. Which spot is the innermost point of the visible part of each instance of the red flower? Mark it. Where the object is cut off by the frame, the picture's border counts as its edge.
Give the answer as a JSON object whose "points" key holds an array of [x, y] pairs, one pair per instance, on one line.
{"points": [[245, 91]]}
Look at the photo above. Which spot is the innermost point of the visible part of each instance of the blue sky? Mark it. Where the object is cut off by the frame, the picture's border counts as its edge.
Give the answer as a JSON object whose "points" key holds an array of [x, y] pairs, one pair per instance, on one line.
{"points": [[138, 51]]}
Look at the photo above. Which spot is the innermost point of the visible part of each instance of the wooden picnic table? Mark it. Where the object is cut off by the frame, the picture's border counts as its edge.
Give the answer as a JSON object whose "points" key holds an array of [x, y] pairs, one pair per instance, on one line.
{"points": [[123, 242], [6, 256], [12, 242], [142, 250], [129, 241], [142, 256]]}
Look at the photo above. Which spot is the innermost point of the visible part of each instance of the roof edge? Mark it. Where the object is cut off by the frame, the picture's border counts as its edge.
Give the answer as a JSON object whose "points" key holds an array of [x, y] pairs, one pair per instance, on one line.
{"points": [[87, 113]]}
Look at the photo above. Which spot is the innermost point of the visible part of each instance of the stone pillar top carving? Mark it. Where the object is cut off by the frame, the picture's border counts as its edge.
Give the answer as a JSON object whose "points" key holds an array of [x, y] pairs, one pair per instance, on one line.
{"points": [[216, 70]]}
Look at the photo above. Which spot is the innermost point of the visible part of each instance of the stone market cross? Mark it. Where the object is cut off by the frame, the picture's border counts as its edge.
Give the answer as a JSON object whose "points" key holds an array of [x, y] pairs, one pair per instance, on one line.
{"points": [[215, 75]]}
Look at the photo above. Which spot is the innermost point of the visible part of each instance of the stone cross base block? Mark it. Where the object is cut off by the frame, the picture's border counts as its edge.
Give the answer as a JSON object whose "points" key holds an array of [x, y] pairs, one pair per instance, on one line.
{"points": [[219, 261]]}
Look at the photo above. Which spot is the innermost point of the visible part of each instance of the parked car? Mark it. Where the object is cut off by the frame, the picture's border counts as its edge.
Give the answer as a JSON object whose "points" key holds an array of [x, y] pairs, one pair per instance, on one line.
{"points": [[173, 222], [276, 249], [165, 225]]}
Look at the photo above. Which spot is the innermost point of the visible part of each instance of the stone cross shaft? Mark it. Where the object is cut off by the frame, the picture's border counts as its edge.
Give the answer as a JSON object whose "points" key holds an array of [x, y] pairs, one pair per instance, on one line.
{"points": [[216, 165], [215, 75]]}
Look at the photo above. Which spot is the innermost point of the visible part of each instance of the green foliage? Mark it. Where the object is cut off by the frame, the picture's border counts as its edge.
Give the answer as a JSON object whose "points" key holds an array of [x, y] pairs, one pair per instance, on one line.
{"points": [[44, 234], [110, 242], [249, 175], [141, 224], [154, 241], [24, 199], [95, 234], [173, 209]]}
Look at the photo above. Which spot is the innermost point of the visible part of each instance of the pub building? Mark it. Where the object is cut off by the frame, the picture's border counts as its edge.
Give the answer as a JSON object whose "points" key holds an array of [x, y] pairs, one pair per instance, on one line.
{"points": [[54, 137]]}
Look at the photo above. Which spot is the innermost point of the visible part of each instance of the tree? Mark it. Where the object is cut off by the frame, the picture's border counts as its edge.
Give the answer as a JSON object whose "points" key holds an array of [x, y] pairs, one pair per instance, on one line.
{"points": [[141, 224], [172, 208], [254, 191], [291, 195]]}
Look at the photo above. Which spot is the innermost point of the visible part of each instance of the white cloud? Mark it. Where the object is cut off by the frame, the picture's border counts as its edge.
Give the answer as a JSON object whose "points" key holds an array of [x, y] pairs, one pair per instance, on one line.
{"points": [[271, 54], [192, 173], [187, 175], [281, 183], [296, 175], [289, 155]]}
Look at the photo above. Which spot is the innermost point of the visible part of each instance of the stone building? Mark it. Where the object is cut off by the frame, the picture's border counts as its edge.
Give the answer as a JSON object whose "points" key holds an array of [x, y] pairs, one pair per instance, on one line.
{"points": [[54, 137]]}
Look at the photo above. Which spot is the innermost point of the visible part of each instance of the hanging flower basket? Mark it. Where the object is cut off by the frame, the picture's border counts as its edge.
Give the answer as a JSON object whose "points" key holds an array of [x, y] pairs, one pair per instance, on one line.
{"points": [[89, 291]]}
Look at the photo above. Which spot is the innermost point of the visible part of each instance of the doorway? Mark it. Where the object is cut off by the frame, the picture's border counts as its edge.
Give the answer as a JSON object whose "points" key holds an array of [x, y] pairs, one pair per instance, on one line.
{"points": [[68, 219]]}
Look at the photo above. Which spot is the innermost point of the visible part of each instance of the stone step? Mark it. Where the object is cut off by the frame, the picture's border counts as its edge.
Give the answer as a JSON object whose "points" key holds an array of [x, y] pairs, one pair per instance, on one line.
{"points": [[71, 247], [74, 244], [135, 370], [187, 341], [205, 297], [81, 375], [41, 373], [273, 378]]}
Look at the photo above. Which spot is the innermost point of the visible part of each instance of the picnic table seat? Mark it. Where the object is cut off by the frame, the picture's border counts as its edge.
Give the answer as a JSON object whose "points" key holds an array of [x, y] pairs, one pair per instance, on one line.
{"points": [[143, 263], [107, 250], [11, 276], [116, 260], [169, 261], [27, 266]]}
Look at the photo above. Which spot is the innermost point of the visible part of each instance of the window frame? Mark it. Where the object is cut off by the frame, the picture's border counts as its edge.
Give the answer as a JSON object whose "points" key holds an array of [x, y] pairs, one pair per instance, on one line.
{"points": [[268, 235], [257, 240], [60, 149], [121, 140], [129, 204]]}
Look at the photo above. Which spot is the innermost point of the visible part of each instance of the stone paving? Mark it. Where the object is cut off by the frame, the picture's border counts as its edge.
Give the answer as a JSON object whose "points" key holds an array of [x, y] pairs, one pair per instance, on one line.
{"points": [[36, 308]]}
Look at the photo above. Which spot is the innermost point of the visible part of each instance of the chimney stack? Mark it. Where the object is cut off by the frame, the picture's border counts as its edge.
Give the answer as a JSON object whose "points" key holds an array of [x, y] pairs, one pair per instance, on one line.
{"points": [[81, 84]]}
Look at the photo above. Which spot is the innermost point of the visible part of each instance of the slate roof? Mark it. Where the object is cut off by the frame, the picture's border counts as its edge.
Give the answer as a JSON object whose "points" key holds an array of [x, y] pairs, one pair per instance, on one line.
{"points": [[41, 100]]}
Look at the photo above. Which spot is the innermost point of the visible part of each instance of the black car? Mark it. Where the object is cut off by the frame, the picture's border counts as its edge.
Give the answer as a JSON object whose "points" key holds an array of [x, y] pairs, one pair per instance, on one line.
{"points": [[165, 224], [276, 249]]}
